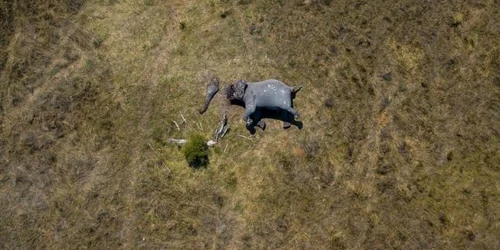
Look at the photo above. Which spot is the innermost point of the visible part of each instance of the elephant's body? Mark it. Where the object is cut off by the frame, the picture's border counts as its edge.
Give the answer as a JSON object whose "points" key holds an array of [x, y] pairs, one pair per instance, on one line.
{"points": [[269, 94]]}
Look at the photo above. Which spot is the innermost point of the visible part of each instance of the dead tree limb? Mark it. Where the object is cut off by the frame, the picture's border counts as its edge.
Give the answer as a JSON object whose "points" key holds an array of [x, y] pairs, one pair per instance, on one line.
{"points": [[222, 130], [246, 137], [178, 142], [181, 142]]}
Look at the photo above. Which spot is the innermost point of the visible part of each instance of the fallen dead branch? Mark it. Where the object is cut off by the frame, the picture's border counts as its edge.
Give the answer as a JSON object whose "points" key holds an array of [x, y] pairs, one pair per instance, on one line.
{"points": [[246, 137], [178, 142], [181, 142], [222, 130]]}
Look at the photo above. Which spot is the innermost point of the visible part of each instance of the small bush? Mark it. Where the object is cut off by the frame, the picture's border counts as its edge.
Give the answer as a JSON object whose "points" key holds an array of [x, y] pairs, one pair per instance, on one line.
{"points": [[196, 151]]}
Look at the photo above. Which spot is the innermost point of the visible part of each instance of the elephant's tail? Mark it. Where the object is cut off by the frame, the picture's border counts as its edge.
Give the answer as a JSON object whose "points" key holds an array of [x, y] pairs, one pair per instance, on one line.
{"points": [[212, 89], [295, 89]]}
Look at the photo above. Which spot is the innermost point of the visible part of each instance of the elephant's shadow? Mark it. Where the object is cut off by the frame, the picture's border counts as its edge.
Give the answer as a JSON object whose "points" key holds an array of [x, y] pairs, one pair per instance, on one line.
{"points": [[286, 117]]}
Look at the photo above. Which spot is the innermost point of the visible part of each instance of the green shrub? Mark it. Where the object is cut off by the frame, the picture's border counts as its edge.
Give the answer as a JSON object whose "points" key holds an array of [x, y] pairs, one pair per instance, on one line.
{"points": [[196, 151]]}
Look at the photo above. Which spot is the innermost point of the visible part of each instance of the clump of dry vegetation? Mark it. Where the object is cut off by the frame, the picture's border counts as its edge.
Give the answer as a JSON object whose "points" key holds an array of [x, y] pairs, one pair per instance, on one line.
{"points": [[399, 148]]}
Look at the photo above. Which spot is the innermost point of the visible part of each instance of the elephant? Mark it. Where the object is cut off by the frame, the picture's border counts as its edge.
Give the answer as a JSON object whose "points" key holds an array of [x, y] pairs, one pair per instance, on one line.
{"points": [[212, 89], [264, 96]]}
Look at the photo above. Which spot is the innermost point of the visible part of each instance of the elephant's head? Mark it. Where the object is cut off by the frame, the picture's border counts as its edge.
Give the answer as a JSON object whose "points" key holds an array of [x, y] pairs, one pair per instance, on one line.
{"points": [[236, 91]]}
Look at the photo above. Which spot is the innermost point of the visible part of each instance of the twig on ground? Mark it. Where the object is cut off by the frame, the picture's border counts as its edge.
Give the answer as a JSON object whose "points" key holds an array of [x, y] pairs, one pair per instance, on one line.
{"points": [[158, 155], [246, 137], [183, 119], [151, 147], [177, 125]]}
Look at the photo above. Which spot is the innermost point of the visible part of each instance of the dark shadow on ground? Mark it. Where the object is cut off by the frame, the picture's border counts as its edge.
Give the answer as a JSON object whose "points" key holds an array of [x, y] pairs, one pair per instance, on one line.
{"points": [[284, 116]]}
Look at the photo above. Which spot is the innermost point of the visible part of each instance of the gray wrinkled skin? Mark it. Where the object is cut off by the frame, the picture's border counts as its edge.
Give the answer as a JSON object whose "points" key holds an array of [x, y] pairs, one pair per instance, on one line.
{"points": [[269, 94], [212, 89]]}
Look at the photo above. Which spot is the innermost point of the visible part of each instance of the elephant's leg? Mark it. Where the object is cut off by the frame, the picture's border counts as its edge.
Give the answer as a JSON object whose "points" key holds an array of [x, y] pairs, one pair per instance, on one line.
{"points": [[286, 118], [294, 112], [250, 110], [257, 118], [261, 124]]}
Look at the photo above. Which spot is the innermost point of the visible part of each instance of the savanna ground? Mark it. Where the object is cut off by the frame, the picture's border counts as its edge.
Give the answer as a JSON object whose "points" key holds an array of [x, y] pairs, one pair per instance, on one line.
{"points": [[400, 145]]}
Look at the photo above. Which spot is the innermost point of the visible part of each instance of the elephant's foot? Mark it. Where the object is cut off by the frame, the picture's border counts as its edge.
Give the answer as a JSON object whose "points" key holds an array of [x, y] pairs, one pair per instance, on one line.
{"points": [[294, 112], [286, 125], [261, 124], [249, 123]]}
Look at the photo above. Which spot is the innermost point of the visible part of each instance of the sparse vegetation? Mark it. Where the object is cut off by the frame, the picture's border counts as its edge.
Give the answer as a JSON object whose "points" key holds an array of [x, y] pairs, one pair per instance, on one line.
{"points": [[399, 149]]}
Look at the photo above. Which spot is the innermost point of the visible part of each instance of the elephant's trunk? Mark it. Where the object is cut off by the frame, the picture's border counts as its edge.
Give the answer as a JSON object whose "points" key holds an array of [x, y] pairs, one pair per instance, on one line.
{"points": [[212, 89]]}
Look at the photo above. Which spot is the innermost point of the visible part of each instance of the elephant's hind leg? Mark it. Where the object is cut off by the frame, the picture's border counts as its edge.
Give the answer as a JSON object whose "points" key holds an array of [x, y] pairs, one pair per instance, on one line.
{"points": [[261, 124], [257, 119], [286, 117], [294, 112]]}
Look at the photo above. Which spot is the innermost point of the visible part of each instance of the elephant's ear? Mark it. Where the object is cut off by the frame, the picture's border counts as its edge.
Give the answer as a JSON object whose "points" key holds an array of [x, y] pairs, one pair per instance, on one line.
{"points": [[241, 86]]}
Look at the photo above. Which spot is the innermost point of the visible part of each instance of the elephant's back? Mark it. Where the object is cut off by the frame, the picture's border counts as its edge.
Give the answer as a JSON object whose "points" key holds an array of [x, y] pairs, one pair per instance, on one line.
{"points": [[271, 83], [271, 86], [270, 93]]}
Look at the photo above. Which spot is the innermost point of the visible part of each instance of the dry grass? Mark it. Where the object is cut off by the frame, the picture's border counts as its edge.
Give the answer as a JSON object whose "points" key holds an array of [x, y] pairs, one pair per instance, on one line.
{"points": [[399, 149]]}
